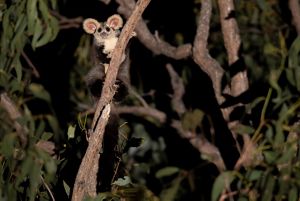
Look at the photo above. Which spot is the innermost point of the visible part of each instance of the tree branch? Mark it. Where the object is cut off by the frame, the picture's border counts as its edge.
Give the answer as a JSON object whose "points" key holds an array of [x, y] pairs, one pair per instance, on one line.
{"points": [[85, 179], [197, 140], [178, 91], [215, 72], [232, 42], [153, 42], [200, 50], [295, 10], [13, 113], [142, 112]]}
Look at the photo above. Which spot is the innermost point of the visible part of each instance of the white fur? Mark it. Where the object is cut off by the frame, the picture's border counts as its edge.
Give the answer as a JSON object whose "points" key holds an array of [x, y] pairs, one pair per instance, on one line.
{"points": [[109, 45]]}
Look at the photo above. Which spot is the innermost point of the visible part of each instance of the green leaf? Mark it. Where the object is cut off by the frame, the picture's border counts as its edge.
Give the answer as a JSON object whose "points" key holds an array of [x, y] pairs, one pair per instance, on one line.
{"points": [[39, 92], [32, 15], [244, 129], [167, 171], [270, 156], [34, 176], [18, 68], [170, 193], [293, 194], [38, 31], [67, 188], [43, 8], [287, 155], [7, 145], [293, 53], [50, 165], [40, 129], [26, 166], [270, 49], [53, 22], [46, 136], [290, 75], [53, 4], [45, 38], [122, 181], [71, 131], [255, 175], [191, 120], [254, 103], [222, 182], [268, 189], [297, 76], [53, 123]]}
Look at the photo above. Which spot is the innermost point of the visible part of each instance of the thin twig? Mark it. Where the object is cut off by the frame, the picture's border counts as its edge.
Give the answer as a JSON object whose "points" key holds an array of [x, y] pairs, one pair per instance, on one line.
{"points": [[34, 70], [67, 23], [47, 187]]}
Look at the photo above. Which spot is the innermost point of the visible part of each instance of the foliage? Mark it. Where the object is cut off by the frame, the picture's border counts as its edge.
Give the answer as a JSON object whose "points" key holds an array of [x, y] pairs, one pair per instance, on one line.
{"points": [[26, 171], [274, 176]]}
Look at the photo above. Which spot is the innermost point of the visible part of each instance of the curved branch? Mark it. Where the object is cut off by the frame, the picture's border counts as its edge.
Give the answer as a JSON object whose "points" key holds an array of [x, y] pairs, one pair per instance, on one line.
{"points": [[142, 112], [200, 50], [153, 42]]}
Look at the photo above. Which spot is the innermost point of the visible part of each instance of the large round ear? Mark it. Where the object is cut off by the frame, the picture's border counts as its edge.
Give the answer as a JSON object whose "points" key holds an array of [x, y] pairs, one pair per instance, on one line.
{"points": [[90, 25], [115, 22]]}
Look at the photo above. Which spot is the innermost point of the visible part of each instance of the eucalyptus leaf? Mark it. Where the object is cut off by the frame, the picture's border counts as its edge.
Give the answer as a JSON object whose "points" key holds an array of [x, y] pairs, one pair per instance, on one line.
{"points": [[38, 31], [45, 38], [267, 194], [293, 53], [287, 155], [290, 75], [40, 129], [26, 165], [53, 22], [270, 156], [270, 49], [18, 67], [53, 4], [50, 165], [35, 180], [53, 123], [32, 15], [297, 76], [293, 194], [255, 175], [166, 171], [67, 188], [46, 135], [39, 92], [169, 194], [244, 129], [7, 145], [221, 183]]}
